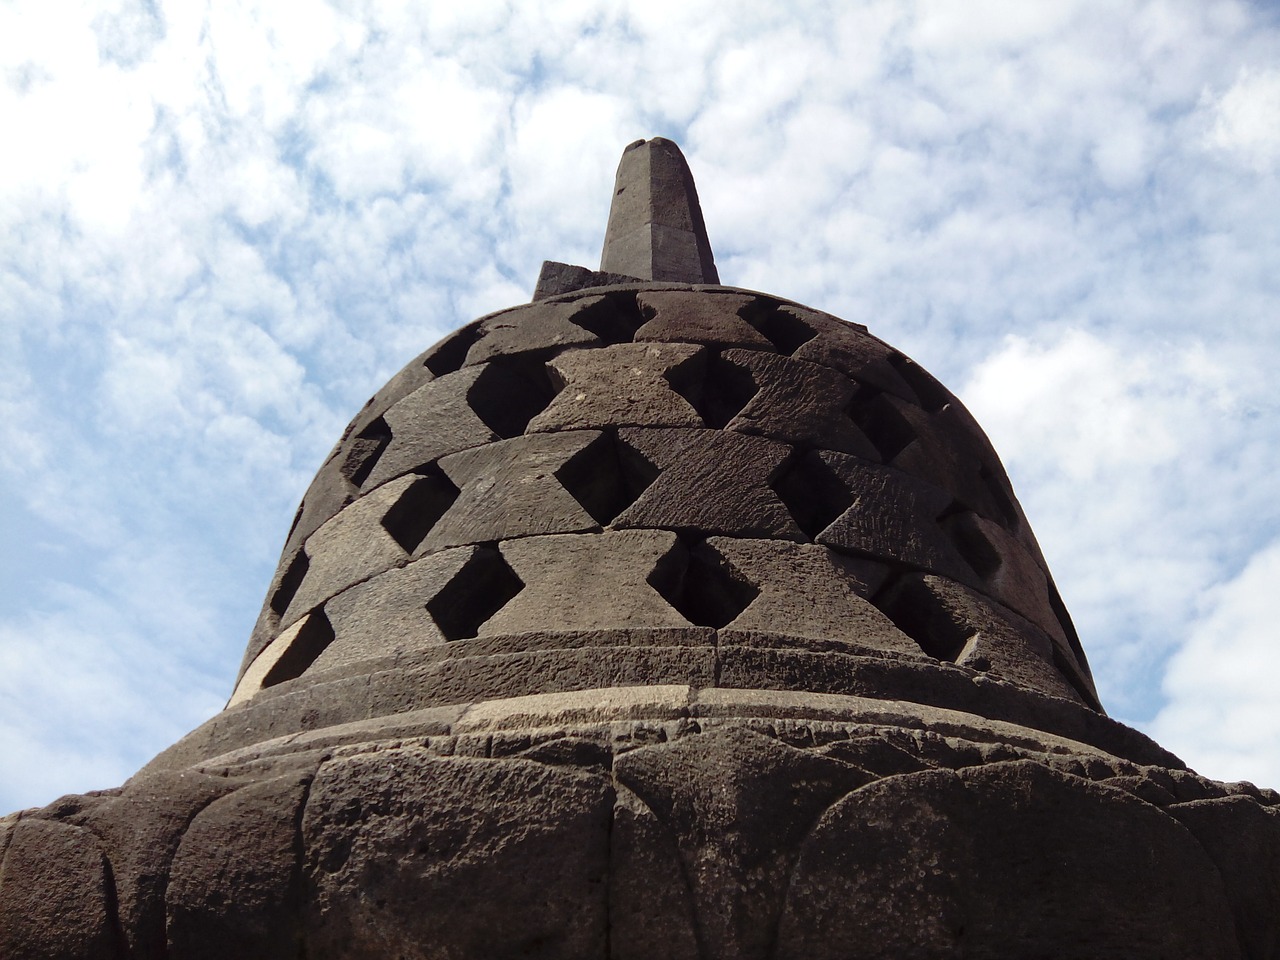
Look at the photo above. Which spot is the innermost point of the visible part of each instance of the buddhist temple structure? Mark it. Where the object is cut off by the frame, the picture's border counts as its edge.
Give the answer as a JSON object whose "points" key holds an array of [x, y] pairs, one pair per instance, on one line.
{"points": [[656, 619]]}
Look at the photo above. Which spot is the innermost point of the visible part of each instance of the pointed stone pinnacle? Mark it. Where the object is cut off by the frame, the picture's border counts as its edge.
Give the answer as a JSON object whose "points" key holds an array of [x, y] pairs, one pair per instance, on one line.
{"points": [[655, 227]]}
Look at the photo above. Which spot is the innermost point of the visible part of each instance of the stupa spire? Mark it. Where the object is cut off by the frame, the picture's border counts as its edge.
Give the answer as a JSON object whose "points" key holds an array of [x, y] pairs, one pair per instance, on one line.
{"points": [[656, 231]]}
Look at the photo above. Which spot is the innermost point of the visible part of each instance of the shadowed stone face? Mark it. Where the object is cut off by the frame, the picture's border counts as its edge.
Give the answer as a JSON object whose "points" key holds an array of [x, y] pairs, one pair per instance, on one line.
{"points": [[655, 619]]}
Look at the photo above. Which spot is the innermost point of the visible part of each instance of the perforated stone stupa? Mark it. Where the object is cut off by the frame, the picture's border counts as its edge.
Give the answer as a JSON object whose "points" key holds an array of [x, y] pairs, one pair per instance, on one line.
{"points": [[656, 618]]}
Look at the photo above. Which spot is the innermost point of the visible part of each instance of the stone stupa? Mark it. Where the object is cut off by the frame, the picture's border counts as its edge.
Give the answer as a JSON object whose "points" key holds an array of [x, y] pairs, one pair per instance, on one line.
{"points": [[656, 619]]}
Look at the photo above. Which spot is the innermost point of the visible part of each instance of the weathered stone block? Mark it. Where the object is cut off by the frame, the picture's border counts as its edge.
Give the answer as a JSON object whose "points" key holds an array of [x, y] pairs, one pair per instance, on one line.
{"points": [[509, 489], [624, 385], [388, 615], [351, 547], [711, 481], [893, 516], [538, 327], [56, 898], [650, 907], [812, 591], [799, 403], [713, 318], [433, 421], [235, 885], [852, 350], [1003, 860], [587, 582], [953, 622], [1243, 840], [415, 856], [140, 829], [737, 806]]}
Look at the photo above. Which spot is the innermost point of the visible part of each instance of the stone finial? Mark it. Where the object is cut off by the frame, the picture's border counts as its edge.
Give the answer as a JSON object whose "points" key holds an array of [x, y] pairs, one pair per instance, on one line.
{"points": [[655, 227]]}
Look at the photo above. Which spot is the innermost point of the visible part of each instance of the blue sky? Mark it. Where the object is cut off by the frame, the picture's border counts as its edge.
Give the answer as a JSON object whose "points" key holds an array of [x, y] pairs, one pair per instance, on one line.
{"points": [[225, 225]]}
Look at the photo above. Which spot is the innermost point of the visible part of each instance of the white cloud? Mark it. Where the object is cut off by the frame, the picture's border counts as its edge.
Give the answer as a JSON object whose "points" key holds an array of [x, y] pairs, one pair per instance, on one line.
{"points": [[1246, 119], [115, 698], [1126, 457], [1221, 685]]}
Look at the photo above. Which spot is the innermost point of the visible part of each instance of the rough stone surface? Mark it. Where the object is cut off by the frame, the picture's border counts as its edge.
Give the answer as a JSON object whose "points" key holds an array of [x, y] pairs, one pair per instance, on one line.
{"points": [[892, 516], [651, 910], [510, 489], [587, 582], [655, 230], [55, 898], [714, 319], [943, 450], [140, 829], [624, 385], [388, 615], [538, 327], [811, 591], [255, 675], [235, 884], [711, 481], [433, 421], [351, 547], [953, 622], [556, 278], [851, 350], [799, 402], [492, 858], [997, 869], [1243, 840], [736, 805], [1017, 581]]}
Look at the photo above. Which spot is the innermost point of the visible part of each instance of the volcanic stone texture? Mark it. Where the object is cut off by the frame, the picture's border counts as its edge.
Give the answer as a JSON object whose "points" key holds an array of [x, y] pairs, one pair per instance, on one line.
{"points": [[655, 821], [657, 457], [656, 621], [655, 229]]}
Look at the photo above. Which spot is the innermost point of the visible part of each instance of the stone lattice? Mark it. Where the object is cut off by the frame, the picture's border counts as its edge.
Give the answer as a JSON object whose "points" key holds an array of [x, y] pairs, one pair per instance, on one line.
{"points": [[656, 619]]}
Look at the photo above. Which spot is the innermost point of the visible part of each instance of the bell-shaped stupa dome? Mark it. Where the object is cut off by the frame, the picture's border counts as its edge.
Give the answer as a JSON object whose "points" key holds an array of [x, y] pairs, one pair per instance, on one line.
{"points": [[656, 618]]}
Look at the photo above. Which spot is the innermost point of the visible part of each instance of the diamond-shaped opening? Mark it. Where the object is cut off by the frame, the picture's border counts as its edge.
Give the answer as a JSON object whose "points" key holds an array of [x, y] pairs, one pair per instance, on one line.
{"points": [[917, 612], [702, 585], [483, 586], [290, 583], [1073, 677], [782, 328], [510, 391], [978, 551], [813, 492], [721, 391], [308, 643], [933, 395], [364, 450], [614, 319], [1069, 628], [419, 508], [886, 428], [606, 477], [452, 352], [1008, 514]]}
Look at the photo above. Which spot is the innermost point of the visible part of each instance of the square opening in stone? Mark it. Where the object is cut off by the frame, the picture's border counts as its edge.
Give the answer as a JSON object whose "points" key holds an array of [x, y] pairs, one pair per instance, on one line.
{"points": [[703, 586], [315, 634], [419, 508], [813, 492], [483, 586], [606, 477], [510, 391]]}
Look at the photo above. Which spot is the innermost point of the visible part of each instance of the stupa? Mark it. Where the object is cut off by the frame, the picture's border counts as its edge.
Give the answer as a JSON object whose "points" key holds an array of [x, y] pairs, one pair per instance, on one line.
{"points": [[656, 618]]}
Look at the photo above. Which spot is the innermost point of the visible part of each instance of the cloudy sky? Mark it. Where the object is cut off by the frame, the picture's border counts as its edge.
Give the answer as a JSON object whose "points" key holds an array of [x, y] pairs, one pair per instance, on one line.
{"points": [[224, 225]]}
